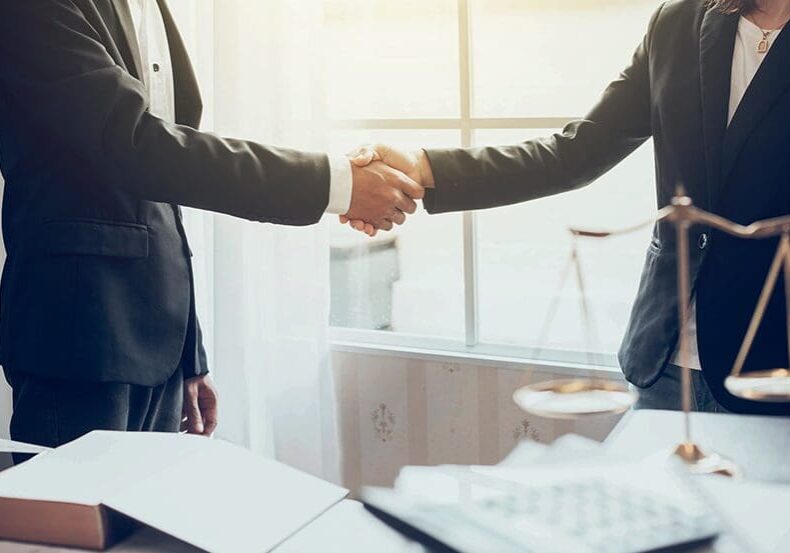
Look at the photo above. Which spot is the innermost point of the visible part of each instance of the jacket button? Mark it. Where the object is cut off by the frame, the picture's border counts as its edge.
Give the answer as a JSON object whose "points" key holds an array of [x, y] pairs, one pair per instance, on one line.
{"points": [[702, 242], [156, 68]]}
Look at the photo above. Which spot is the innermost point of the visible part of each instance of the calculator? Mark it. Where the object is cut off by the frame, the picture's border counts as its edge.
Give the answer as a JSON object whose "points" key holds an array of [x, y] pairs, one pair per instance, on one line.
{"points": [[574, 516]]}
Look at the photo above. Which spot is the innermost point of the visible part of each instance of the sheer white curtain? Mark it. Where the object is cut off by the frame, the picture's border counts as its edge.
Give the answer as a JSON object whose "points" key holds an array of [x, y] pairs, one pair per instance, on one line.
{"points": [[263, 291]]}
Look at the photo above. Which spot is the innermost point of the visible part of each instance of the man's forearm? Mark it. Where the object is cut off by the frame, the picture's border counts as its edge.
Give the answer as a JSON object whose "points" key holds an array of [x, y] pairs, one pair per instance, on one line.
{"points": [[75, 93]]}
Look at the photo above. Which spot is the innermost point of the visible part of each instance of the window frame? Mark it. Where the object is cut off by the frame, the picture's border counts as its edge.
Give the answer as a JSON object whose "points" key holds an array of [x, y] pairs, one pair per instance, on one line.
{"points": [[470, 348]]}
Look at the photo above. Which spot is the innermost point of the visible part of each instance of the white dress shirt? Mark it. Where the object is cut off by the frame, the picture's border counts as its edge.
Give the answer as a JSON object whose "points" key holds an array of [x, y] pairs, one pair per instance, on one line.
{"points": [[746, 61], [158, 76]]}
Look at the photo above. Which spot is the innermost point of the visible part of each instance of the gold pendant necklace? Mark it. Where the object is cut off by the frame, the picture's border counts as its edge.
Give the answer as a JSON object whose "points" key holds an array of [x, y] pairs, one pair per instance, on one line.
{"points": [[762, 46]]}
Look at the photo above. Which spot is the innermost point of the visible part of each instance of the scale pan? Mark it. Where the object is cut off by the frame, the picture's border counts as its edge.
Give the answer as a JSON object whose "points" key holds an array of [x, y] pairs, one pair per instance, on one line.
{"points": [[576, 397], [768, 386]]}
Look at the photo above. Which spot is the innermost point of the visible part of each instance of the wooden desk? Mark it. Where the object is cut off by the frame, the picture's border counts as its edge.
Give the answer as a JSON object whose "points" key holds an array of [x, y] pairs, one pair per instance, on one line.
{"points": [[760, 445]]}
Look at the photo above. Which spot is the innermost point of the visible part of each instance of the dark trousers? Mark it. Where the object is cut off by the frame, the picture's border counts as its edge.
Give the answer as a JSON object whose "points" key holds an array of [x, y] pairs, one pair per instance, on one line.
{"points": [[666, 393], [52, 412]]}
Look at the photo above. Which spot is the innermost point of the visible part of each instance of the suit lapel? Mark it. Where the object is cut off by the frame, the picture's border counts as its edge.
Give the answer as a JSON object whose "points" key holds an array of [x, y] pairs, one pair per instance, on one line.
{"points": [[130, 49], [189, 106], [118, 18], [717, 42], [106, 23], [766, 87]]}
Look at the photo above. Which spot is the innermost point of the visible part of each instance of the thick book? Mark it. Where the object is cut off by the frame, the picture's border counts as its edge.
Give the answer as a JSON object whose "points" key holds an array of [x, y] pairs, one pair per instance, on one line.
{"points": [[213, 495]]}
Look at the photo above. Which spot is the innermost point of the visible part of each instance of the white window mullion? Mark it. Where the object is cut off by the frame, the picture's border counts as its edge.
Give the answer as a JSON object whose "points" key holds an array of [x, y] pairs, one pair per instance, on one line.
{"points": [[471, 318], [470, 279]]}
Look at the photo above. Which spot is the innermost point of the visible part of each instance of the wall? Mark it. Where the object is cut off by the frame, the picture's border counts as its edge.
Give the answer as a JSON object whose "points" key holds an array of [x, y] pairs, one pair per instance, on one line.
{"points": [[397, 411]]}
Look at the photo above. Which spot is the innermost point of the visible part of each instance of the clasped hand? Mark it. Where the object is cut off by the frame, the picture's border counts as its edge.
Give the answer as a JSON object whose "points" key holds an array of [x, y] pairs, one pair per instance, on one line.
{"points": [[387, 182]]}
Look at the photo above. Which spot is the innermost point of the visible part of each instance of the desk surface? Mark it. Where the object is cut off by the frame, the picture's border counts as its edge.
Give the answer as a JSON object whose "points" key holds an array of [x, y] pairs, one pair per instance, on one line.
{"points": [[759, 444]]}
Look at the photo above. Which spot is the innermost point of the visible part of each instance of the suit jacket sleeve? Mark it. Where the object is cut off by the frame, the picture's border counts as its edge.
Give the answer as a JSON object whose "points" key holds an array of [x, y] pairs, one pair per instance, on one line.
{"points": [[480, 178], [54, 67]]}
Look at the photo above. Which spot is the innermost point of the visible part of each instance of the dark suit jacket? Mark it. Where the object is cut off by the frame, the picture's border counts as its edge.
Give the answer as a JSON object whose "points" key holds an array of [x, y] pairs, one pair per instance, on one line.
{"points": [[98, 280], [676, 91]]}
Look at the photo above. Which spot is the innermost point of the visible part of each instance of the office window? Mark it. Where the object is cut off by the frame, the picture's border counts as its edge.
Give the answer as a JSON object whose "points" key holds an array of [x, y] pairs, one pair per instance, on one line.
{"points": [[409, 280], [524, 251], [392, 59], [479, 72], [544, 58]]}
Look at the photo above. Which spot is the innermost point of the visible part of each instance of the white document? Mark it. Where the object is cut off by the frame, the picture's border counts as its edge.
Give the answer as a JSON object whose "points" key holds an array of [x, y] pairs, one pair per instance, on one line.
{"points": [[570, 446], [84, 471], [757, 514], [7, 446], [223, 498], [207, 493]]}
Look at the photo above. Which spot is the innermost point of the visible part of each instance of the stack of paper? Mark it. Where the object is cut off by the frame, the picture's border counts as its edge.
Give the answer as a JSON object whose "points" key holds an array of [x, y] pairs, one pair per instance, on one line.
{"points": [[463, 505]]}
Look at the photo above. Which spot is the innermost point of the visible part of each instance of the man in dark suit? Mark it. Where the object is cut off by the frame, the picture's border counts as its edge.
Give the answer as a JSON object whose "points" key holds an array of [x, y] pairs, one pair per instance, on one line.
{"points": [[99, 146], [710, 84]]}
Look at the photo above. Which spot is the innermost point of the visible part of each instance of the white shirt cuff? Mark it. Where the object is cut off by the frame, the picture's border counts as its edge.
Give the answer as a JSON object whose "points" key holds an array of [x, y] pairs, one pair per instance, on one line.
{"points": [[341, 184]]}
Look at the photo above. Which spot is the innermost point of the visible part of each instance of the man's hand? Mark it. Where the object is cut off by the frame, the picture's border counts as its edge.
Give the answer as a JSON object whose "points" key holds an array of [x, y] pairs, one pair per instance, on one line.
{"points": [[382, 196], [199, 415], [414, 165]]}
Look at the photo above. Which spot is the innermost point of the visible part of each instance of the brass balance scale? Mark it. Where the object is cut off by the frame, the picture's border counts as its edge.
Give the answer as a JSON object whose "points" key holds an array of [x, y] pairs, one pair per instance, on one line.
{"points": [[579, 397]]}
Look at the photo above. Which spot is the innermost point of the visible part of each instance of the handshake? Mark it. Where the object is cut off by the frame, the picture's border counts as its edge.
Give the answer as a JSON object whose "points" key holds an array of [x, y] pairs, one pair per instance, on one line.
{"points": [[386, 184]]}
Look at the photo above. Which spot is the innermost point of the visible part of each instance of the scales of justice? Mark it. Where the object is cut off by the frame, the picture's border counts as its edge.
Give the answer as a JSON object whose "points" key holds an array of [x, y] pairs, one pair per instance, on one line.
{"points": [[580, 397]]}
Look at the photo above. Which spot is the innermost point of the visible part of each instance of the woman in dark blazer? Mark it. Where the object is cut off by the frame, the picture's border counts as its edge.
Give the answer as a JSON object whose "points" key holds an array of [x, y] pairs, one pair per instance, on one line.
{"points": [[710, 83]]}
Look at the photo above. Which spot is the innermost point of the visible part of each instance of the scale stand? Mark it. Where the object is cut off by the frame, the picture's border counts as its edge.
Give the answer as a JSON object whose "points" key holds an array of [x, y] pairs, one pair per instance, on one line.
{"points": [[696, 459]]}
